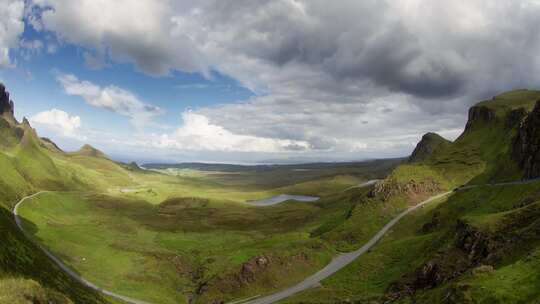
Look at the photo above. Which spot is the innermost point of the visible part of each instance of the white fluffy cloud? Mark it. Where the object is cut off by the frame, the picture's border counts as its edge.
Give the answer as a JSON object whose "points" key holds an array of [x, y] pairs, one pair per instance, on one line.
{"points": [[59, 123], [111, 97], [11, 27], [198, 133]]}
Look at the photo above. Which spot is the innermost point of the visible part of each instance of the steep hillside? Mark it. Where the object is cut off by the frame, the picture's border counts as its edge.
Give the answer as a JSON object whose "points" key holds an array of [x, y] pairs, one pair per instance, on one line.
{"points": [[481, 244], [27, 165]]}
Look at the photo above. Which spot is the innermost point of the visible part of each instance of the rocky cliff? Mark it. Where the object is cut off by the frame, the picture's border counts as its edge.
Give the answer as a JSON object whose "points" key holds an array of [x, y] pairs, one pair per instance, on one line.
{"points": [[526, 144], [430, 143], [479, 115], [6, 105]]}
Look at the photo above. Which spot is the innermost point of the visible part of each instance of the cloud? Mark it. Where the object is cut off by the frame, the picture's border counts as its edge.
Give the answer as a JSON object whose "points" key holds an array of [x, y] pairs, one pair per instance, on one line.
{"points": [[94, 62], [379, 46], [108, 27], [326, 73], [198, 133], [59, 122], [336, 128], [111, 97], [201, 86], [11, 27]]}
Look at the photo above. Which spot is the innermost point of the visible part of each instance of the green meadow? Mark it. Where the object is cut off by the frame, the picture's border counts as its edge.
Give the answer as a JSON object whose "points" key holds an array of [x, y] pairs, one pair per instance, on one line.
{"points": [[179, 236]]}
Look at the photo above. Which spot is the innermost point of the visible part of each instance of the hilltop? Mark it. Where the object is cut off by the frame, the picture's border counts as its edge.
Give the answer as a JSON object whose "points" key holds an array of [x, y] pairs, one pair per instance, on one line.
{"points": [[88, 150], [429, 145]]}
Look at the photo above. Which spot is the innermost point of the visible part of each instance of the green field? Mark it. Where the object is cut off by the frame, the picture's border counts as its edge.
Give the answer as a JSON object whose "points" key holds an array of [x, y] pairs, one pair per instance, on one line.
{"points": [[175, 236]]}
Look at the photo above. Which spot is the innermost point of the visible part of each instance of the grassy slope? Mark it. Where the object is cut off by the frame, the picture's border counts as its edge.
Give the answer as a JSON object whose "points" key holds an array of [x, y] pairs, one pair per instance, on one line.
{"points": [[26, 168], [160, 239], [150, 250], [479, 156], [140, 245]]}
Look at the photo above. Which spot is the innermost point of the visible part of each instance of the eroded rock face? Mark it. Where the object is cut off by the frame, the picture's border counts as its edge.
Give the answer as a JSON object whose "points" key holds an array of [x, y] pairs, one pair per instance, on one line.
{"points": [[477, 245], [526, 145], [253, 266], [6, 105], [413, 189], [479, 114], [515, 117]]}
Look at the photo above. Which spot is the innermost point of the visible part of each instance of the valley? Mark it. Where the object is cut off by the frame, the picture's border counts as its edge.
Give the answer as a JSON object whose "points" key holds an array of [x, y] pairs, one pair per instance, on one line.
{"points": [[456, 221]]}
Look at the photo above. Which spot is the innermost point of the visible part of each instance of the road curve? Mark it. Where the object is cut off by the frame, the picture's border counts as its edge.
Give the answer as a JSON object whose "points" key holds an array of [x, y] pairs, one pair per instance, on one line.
{"points": [[63, 266], [341, 260]]}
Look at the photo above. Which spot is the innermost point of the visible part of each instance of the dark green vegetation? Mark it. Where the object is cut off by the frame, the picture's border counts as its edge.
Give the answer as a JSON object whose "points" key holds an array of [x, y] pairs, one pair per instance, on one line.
{"points": [[184, 234]]}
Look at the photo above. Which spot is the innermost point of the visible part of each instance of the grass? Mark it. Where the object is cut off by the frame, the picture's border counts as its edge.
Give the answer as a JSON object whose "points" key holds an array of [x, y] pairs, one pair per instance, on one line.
{"points": [[138, 243], [512, 100], [23, 291], [167, 237], [481, 155], [406, 248], [21, 260]]}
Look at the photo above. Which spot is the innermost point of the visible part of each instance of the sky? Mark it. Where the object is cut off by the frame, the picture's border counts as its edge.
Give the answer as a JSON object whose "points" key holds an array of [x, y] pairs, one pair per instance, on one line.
{"points": [[265, 81]]}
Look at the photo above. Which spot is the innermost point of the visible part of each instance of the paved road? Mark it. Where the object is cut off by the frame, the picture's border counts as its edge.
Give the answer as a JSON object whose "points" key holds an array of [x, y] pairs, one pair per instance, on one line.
{"points": [[278, 199], [341, 260], [63, 266], [345, 259], [362, 185]]}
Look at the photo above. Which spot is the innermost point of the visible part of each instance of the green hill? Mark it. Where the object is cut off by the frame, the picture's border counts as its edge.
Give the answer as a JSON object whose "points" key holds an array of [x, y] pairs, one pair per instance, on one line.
{"points": [[27, 165], [430, 144], [480, 245]]}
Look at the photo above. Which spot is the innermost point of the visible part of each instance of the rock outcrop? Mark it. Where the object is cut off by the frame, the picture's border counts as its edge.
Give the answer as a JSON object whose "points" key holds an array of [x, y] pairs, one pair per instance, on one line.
{"points": [[430, 143], [50, 145], [480, 115], [252, 267], [515, 117], [526, 145], [413, 189], [6, 105]]}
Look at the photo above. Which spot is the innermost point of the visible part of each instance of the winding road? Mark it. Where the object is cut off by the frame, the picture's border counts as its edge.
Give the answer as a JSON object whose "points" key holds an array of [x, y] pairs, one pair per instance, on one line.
{"points": [[341, 260], [63, 266], [362, 185], [335, 265], [345, 259]]}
